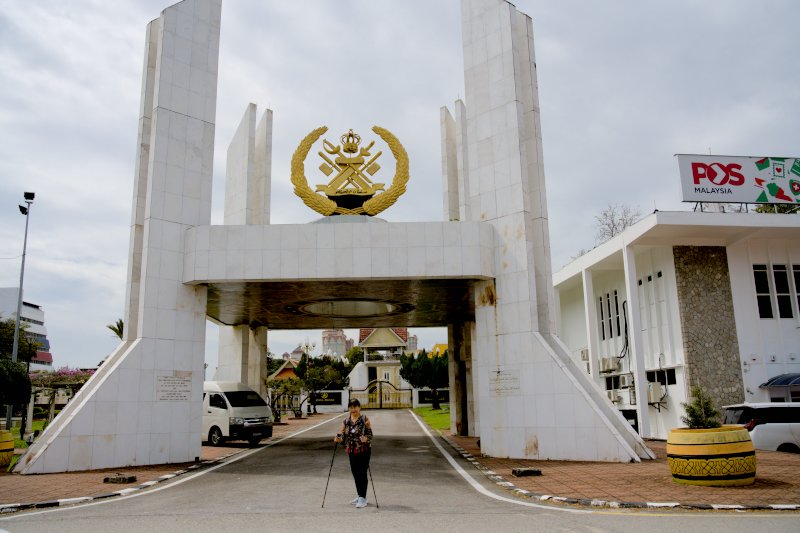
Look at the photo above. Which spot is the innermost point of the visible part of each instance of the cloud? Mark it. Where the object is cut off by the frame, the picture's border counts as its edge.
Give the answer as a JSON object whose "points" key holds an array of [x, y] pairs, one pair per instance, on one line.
{"points": [[623, 86]]}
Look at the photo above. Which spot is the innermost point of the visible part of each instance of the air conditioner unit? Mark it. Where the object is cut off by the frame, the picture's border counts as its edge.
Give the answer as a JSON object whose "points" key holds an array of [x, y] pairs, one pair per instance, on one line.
{"points": [[609, 364], [584, 354], [655, 392], [625, 381], [613, 396]]}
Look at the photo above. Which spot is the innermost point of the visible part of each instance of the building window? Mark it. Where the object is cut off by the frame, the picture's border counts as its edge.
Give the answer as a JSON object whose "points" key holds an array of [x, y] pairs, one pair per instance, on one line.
{"points": [[610, 325], [616, 311], [783, 295], [665, 377], [761, 278], [796, 272], [602, 321], [612, 382]]}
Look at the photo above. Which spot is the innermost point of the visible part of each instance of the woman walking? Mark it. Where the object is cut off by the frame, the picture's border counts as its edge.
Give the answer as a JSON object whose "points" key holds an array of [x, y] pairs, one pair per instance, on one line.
{"points": [[356, 434]]}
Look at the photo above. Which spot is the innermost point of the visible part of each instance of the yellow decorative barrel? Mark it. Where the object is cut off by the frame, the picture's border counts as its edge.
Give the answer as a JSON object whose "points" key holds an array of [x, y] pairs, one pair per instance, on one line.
{"points": [[719, 457], [6, 448]]}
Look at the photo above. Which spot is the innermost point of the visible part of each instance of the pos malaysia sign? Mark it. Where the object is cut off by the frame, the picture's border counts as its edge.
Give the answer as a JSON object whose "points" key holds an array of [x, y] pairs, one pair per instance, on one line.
{"points": [[752, 180]]}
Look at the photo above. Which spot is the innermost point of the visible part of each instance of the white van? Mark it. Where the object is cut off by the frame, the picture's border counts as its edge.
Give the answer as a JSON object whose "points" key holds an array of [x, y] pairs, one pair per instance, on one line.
{"points": [[234, 411], [772, 426]]}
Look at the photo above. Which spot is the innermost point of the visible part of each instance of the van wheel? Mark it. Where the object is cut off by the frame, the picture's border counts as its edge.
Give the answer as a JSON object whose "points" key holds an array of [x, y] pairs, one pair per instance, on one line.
{"points": [[215, 437], [789, 448], [254, 440]]}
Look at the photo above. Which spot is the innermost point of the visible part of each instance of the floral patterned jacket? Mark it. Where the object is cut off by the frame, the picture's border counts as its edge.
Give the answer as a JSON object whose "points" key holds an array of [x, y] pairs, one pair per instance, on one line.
{"points": [[353, 431]]}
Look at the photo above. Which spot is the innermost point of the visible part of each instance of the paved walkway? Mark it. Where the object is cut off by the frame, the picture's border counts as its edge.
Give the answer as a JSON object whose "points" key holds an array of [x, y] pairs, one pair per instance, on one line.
{"points": [[777, 482], [17, 489]]}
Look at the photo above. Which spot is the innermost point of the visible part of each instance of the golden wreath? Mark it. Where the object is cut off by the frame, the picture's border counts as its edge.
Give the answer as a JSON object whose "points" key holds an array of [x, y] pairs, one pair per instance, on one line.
{"points": [[326, 206]]}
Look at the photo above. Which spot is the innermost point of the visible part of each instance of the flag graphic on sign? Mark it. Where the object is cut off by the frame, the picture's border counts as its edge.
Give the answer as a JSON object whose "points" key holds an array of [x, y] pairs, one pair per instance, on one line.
{"points": [[796, 167], [778, 168], [761, 164], [794, 185]]}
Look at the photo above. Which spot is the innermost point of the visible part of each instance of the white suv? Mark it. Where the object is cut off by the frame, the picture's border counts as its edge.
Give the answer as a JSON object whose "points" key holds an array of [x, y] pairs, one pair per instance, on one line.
{"points": [[772, 426]]}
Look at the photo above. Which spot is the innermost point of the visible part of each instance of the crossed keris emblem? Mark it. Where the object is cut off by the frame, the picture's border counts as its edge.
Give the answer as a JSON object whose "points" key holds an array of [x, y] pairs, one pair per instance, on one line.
{"points": [[351, 191], [351, 178]]}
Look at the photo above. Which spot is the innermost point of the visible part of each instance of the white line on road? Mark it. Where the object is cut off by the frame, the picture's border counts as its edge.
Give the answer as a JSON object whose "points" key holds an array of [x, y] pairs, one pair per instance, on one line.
{"points": [[178, 482], [477, 486]]}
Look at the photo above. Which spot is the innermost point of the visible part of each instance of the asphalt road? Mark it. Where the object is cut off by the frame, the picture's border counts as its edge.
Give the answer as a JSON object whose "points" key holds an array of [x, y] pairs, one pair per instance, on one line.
{"points": [[280, 488]]}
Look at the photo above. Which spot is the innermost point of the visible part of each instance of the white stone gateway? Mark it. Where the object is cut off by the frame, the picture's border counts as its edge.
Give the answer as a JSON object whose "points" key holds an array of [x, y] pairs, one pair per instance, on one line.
{"points": [[484, 273]]}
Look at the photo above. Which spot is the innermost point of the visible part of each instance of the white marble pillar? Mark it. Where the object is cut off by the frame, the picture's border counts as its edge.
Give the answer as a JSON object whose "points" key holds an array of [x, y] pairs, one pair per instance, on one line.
{"points": [[636, 345], [143, 406], [590, 316], [243, 350], [533, 401]]}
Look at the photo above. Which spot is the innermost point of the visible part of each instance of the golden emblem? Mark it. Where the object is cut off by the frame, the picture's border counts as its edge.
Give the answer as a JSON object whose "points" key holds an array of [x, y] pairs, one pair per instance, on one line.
{"points": [[351, 191]]}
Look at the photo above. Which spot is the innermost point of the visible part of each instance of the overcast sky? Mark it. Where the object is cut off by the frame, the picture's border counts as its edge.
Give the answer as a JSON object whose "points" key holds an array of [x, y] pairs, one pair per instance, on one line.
{"points": [[623, 86]]}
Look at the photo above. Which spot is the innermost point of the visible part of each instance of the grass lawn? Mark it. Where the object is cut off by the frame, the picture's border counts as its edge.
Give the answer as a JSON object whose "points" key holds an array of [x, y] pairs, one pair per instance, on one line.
{"points": [[438, 419], [19, 443]]}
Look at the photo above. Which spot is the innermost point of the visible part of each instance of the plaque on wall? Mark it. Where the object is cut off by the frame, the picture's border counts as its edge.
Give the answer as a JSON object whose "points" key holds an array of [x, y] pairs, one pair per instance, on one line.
{"points": [[177, 387], [504, 383]]}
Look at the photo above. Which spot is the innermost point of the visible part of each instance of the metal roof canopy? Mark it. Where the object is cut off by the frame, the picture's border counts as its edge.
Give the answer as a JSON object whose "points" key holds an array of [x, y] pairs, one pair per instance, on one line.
{"points": [[783, 380]]}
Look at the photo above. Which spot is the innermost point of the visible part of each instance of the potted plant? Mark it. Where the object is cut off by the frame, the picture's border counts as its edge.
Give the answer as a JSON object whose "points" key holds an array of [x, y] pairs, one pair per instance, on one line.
{"points": [[707, 452]]}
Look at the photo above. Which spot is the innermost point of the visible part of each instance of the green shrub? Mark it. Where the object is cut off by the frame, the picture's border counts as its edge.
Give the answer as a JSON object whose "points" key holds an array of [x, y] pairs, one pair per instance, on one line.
{"points": [[700, 412]]}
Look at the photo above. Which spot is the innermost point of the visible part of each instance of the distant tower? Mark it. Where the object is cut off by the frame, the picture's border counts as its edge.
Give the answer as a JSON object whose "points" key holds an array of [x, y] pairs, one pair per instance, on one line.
{"points": [[411, 344], [334, 342]]}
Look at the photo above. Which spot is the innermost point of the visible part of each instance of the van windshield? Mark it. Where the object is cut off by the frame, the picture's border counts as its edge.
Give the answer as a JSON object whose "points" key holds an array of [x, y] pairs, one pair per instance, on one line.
{"points": [[244, 399]]}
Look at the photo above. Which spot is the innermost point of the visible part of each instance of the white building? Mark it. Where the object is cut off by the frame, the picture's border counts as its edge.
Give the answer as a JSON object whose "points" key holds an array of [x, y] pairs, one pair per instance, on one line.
{"points": [[682, 299], [32, 318]]}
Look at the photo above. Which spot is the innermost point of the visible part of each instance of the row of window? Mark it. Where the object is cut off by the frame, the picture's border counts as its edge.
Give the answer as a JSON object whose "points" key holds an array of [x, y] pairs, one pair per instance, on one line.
{"points": [[608, 313], [32, 321], [665, 377], [609, 316], [775, 289]]}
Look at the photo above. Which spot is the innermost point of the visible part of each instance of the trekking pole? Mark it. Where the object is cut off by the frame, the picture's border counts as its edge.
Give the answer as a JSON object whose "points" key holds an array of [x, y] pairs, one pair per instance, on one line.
{"points": [[335, 444], [373, 487]]}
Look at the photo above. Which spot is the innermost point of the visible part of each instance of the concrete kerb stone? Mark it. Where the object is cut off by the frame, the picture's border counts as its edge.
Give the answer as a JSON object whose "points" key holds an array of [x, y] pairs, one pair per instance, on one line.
{"points": [[14, 507], [502, 482]]}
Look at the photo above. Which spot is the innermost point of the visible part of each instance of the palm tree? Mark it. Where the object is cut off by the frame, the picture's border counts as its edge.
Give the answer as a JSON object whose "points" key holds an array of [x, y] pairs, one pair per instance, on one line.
{"points": [[117, 328]]}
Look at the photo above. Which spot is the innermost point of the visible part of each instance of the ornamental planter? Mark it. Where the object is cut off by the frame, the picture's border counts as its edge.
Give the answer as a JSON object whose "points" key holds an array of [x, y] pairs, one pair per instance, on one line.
{"points": [[718, 457], [6, 448]]}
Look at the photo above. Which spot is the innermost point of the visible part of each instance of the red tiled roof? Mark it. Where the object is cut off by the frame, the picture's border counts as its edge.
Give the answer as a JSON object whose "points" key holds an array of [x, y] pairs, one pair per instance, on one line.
{"points": [[400, 332]]}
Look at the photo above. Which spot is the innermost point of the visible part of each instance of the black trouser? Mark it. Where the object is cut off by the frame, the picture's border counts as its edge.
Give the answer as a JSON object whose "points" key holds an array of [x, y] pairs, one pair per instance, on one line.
{"points": [[359, 464]]}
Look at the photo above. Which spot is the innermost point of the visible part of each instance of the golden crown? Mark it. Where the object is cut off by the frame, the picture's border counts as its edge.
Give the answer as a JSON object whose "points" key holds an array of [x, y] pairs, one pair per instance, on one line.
{"points": [[350, 142]]}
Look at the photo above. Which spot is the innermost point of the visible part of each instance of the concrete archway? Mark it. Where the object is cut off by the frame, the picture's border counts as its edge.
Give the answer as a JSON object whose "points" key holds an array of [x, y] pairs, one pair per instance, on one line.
{"points": [[484, 273]]}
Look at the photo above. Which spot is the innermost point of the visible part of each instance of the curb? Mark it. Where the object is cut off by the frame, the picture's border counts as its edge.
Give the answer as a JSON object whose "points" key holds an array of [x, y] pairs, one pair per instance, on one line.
{"points": [[504, 483], [6, 508]]}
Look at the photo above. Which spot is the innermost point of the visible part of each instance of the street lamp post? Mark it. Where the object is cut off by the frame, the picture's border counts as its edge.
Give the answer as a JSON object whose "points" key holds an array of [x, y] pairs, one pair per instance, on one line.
{"points": [[308, 348], [25, 211]]}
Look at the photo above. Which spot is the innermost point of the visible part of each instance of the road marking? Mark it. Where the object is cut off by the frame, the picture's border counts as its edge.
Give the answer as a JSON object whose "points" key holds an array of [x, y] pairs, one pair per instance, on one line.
{"points": [[173, 484], [478, 487]]}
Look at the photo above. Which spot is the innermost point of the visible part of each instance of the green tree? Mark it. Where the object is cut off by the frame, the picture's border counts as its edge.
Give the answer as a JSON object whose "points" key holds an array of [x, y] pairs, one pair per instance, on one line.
{"points": [[273, 363], [777, 208], [426, 371], [26, 348], [282, 388], [700, 412], [117, 328], [354, 356], [15, 383], [321, 373]]}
